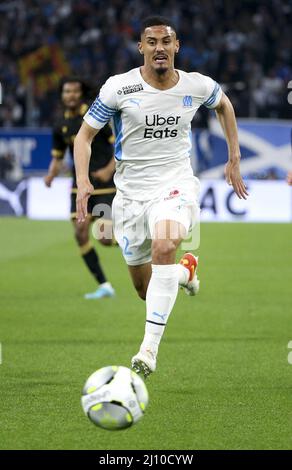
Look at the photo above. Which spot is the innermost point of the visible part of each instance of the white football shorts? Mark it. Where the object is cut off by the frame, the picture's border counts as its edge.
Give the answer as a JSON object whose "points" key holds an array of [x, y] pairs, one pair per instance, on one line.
{"points": [[134, 221]]}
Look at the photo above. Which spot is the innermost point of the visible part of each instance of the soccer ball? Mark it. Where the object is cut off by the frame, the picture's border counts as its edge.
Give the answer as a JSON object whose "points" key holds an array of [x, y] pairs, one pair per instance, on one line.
{"points": [[114, 397]]}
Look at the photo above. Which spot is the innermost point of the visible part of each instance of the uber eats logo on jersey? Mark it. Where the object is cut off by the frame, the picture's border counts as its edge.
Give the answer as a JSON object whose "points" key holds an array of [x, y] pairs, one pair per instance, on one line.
{"points": [[155, 120]]}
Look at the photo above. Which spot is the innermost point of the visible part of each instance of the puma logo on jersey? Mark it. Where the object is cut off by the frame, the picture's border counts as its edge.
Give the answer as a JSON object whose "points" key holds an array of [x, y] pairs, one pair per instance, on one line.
{"points": [[135, 102]]}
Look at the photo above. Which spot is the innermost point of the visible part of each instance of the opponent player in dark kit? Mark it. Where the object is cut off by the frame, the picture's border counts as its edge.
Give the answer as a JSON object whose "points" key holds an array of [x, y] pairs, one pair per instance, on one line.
{"points": [[101, 172]]}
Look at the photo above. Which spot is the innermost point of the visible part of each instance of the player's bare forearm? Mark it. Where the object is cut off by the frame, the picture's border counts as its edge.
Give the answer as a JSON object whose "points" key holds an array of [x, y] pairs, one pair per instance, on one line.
{"points": [[55, 167], [82, 153], [53, 171], [226, 116]]}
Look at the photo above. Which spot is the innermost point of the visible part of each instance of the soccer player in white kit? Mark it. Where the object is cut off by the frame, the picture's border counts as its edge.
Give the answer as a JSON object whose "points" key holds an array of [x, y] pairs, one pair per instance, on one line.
{"points": [[157, 194]]}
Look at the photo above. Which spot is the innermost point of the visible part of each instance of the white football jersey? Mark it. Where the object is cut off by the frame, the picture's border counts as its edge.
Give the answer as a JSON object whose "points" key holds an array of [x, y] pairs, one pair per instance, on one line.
{"points": [[152, 128]]}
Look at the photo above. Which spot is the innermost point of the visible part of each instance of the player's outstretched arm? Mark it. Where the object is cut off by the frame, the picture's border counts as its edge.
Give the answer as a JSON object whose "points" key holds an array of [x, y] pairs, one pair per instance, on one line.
{"points": [[226, 117], [82, 153], [53, 171]]}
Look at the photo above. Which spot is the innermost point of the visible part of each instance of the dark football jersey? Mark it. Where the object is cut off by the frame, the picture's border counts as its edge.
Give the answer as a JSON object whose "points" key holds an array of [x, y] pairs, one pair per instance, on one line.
{"points": [[101, 149]]}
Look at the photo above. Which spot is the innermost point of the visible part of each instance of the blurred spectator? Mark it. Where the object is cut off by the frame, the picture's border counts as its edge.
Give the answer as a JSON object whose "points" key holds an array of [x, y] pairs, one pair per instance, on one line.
{"points": [[269, 173], [6, 165], [245, 45], [269, 95]]}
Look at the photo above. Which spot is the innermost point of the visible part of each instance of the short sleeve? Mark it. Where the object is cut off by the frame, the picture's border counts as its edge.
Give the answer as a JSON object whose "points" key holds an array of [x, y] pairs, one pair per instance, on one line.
{"points": [[213, 93], [59, 146], [104, 106]]}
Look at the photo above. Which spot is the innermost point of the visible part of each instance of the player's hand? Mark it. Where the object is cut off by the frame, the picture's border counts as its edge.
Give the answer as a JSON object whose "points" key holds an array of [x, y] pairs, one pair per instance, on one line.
{"points": [[289, 178], [48, 180], [85, 189], [233, 178], [103, 175]]}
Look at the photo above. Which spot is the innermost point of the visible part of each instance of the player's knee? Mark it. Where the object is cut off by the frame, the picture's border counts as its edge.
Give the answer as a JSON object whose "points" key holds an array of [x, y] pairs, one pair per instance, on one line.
{"points": [[163, 251]]}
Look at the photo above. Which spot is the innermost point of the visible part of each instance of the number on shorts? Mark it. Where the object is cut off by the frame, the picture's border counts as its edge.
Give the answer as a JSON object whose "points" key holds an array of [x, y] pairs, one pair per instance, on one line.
{"points": [[125, 250]]}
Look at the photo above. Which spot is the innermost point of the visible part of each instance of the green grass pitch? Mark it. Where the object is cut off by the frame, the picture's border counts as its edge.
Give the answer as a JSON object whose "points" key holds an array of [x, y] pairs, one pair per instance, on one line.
{"points": [[223, 379]]}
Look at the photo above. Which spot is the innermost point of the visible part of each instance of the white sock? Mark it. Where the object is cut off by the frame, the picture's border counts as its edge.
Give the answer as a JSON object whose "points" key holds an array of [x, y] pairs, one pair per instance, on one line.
{"points": [[105, 284], [160, 298], [183, 275]]}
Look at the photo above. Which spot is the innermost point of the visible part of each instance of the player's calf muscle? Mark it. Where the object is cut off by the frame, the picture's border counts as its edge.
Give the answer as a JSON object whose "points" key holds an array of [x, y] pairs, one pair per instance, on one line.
{"points": [[141, 290], [141, 276]]}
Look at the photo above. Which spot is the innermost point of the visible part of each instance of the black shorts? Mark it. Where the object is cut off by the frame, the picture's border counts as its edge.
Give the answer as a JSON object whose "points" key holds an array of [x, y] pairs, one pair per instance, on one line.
{"points": [[99, 204]]}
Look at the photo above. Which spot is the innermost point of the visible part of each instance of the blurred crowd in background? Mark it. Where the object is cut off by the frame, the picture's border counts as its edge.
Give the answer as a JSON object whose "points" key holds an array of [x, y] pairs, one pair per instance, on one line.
{"points": [[244, 45]]}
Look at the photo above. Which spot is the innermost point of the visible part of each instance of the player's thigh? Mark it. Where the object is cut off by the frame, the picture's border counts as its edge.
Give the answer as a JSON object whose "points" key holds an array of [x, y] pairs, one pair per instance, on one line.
{"points": [[167, 236], [130, 230], [170, 220], [169, 229], [141, 276], [174, 214]]}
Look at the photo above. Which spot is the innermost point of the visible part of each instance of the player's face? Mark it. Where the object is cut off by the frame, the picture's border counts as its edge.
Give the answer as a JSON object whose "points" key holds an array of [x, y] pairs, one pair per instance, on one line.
{"points": [[72, 95], [159, 45]]}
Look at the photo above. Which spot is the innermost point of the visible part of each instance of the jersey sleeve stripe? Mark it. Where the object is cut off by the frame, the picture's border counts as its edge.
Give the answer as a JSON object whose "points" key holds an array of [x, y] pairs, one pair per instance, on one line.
{"points": [[101, 112], [211, 100], [97, 105], [97, 108], [98, 117], [98, 100]]}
